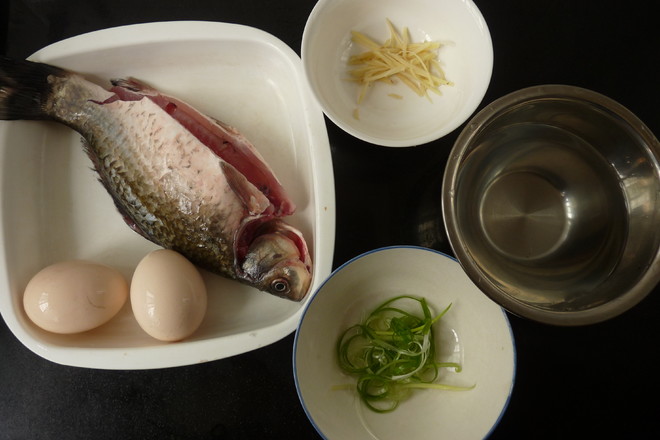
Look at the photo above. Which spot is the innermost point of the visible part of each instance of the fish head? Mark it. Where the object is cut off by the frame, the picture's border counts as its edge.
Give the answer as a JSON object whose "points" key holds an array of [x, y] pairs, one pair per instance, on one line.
{"points": [[273, 257], [288, 279]]}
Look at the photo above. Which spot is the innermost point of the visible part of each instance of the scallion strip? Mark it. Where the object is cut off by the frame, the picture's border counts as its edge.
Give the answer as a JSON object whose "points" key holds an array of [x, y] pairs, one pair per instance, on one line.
{"points": [[392, 352]]}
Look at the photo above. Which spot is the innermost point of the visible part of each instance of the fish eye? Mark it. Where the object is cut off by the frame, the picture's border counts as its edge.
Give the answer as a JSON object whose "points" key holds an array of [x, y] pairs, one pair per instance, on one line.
{"points": [[279, 286]]}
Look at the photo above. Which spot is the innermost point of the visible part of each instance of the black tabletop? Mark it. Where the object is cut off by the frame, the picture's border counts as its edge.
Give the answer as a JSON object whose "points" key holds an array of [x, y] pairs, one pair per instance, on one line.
{"points": [[598, 381]]}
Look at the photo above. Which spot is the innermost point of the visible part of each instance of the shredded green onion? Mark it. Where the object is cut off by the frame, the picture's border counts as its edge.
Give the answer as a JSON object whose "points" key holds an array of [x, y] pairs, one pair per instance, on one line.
{"points": [[392, 352]]}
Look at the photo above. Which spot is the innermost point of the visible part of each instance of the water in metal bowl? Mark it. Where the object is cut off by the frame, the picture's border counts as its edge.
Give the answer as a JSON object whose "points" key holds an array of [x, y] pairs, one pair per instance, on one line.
{"points": [[550, 203]]}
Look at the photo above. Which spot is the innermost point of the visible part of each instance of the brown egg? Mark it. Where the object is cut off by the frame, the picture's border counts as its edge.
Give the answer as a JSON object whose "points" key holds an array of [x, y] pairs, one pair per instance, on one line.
{"points": [[168, 295], [74, 296]]}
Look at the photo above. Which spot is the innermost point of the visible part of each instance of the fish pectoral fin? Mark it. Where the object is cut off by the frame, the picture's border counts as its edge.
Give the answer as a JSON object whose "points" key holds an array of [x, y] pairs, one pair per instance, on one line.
{"points": [[253, 199]]}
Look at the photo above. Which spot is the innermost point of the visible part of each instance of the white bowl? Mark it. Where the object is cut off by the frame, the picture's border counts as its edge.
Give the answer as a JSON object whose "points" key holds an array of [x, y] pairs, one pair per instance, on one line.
{"points": [[466, 56], [53, 208], [475, 332]]}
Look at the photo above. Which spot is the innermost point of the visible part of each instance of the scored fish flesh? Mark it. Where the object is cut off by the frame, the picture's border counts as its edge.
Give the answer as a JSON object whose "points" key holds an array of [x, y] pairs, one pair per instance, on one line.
{"points": [[179, 178]]}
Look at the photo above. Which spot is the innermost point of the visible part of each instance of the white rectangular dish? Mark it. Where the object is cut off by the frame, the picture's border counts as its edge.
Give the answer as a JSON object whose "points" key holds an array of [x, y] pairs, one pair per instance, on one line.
{"points": [[54, 209]]}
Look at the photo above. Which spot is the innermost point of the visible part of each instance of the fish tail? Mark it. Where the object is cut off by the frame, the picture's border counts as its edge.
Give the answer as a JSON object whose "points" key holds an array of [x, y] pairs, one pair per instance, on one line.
{"points": [[25, 88]]}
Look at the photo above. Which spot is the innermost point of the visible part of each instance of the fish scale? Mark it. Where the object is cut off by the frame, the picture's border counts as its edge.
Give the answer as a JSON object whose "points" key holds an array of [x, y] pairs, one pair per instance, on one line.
{"points": [[145, 171]]}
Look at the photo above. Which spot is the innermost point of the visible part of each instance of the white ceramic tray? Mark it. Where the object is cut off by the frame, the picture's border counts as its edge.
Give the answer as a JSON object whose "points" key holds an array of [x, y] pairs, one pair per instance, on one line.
{"points": [[53, 208]]}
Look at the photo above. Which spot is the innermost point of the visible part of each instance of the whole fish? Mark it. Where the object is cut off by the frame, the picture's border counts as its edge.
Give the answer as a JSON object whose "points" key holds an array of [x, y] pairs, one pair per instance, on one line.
{"points": [[180, 179]]}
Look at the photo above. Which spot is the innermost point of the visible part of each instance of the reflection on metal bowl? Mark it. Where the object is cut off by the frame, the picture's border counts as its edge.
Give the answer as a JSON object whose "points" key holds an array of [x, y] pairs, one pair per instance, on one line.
{"points": [[550, 200]]}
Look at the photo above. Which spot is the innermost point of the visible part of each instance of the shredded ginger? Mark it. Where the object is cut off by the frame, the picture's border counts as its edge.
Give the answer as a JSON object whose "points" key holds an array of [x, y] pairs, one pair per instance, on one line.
{"points": [[414, 64]]}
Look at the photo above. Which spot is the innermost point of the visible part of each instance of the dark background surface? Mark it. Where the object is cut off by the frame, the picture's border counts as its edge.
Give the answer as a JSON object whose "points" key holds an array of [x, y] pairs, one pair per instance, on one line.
{"points": [[599, 381]]}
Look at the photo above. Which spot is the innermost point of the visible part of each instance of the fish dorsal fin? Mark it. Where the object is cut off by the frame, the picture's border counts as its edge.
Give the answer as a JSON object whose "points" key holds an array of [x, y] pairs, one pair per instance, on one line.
{"points": [[253, 199]]}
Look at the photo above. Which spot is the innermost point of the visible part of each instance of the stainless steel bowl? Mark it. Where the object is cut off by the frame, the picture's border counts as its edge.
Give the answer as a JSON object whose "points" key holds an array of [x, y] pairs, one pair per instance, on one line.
{"points": [[551, 204]]}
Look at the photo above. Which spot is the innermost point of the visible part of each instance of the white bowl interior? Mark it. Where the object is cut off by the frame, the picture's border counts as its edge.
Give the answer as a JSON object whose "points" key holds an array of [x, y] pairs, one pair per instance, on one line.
{"points": [[475, 332], [466, 57], [54, 209]]}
